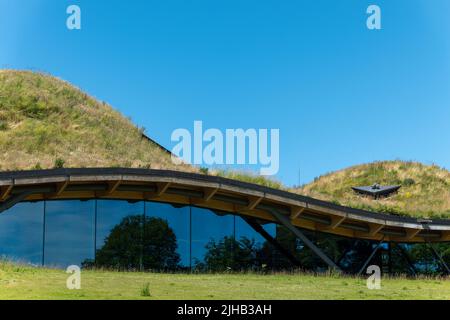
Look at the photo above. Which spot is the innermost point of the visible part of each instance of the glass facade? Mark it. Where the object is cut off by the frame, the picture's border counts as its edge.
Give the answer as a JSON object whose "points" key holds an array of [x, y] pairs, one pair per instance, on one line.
{"points": [[21, 233], [211, 232], [69, 233], [116, 234], [177, 221]]}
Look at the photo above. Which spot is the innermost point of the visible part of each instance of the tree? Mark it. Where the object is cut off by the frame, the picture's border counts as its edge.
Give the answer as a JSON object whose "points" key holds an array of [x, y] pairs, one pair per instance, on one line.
{"points": [[139, 243], [229, 253]]}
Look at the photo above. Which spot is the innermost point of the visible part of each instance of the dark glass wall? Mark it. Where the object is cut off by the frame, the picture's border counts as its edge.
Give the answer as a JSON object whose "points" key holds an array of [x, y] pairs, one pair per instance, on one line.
{"points": [[116, 234], [21, 233], [69, 233], [253, 252], [119, 234], [212, 239], [171, 228], [154, 236], [245, 231]]}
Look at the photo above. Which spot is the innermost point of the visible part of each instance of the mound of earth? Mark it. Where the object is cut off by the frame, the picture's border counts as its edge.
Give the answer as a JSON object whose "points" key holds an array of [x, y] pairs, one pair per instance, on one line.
{"points": [[424, 192]]}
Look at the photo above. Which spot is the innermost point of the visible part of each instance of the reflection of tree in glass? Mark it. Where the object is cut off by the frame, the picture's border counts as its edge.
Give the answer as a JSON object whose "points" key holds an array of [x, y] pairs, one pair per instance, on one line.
{"points": [[137, 242], [229, 253]]}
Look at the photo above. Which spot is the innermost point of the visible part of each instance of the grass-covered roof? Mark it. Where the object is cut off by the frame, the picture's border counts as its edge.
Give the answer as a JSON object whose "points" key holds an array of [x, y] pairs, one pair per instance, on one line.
{"points": [[46, 122]]}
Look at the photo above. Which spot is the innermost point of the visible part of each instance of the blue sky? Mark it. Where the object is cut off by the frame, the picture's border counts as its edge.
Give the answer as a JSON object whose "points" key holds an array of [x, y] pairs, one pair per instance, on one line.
{"points": [[339, 93]]}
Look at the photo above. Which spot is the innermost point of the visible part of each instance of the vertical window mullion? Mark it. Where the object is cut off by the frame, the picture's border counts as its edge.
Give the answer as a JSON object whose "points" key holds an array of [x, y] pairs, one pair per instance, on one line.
{"points": [[144, 217], [43, 233], [95, 231], [190, 238]]}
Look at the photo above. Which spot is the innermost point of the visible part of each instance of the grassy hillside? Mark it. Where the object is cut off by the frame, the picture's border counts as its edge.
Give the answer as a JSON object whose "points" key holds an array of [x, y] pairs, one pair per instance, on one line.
{"points": [[46, 122], [425, 190], [24, 283]]}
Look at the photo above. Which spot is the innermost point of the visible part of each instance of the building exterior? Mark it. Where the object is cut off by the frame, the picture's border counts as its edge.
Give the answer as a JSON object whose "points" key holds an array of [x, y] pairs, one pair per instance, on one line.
{"points": [[138, 219]]}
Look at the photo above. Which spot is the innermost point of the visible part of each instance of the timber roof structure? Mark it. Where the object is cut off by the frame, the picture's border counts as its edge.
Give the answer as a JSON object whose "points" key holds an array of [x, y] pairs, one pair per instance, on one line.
{"points": [[218, 194]]}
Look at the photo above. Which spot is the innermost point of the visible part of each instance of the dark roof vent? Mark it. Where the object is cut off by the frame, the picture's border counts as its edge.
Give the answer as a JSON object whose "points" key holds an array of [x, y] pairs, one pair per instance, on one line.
{"points": [[376, 186], [376, 190]]}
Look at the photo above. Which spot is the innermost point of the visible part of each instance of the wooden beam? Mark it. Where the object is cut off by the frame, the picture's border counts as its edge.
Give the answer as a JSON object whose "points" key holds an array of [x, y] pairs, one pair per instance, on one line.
{"points": [[296, 212], [253, 202], [445, 236], [60, 187], [375, 229], [327, 229], [336, 221], [112, 186], [4, 192], [162, 187], [411, 233], [208, 193]]}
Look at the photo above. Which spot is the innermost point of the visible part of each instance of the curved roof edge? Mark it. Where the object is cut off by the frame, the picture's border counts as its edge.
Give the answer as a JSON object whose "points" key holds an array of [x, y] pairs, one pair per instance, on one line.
{"points": [[215, 193]]}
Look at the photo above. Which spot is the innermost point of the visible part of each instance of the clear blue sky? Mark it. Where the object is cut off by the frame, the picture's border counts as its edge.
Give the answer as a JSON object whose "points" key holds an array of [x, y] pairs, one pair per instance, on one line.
{"points": [[339, 93]]}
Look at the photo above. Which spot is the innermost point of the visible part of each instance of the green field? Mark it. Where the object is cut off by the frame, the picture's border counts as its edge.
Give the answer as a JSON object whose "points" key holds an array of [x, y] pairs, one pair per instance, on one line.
{"points": [[20, 282]]}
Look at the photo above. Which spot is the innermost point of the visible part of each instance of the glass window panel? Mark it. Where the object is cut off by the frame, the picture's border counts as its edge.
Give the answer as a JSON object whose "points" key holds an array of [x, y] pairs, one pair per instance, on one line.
{"points": [[119, 233], [21, 232], [252, 251], [69, 237], [176, 238], [244, 230], [212, 240]]}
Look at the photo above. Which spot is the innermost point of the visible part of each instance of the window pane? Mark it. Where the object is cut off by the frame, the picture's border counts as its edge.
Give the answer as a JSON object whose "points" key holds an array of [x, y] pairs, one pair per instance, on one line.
{"points": [[119, 234], [252, 251], [244, 230], [69, 238], [212, 240], [21, 230], [171, 236]]}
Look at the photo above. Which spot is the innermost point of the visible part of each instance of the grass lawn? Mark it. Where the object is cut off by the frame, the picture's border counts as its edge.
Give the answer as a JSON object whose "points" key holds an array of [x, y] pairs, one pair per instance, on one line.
{"points": [[20, 282]]}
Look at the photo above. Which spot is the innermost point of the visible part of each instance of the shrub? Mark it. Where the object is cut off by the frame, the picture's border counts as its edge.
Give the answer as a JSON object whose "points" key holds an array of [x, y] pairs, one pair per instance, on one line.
{"points": [[38, 166], [408, 182], [145, 291], [3, 126], [59, 163]]}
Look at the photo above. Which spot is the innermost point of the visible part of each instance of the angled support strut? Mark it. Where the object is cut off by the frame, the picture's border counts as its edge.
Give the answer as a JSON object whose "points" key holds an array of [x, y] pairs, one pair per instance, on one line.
{"points": [[287, 223], [371, 256], [12, 201], [258, 228], [438, 257], [406, 256]]}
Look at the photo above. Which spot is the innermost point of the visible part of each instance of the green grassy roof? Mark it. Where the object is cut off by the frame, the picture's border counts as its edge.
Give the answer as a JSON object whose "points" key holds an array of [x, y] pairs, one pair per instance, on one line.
{"points": [[46, 122], [425, 190]]}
